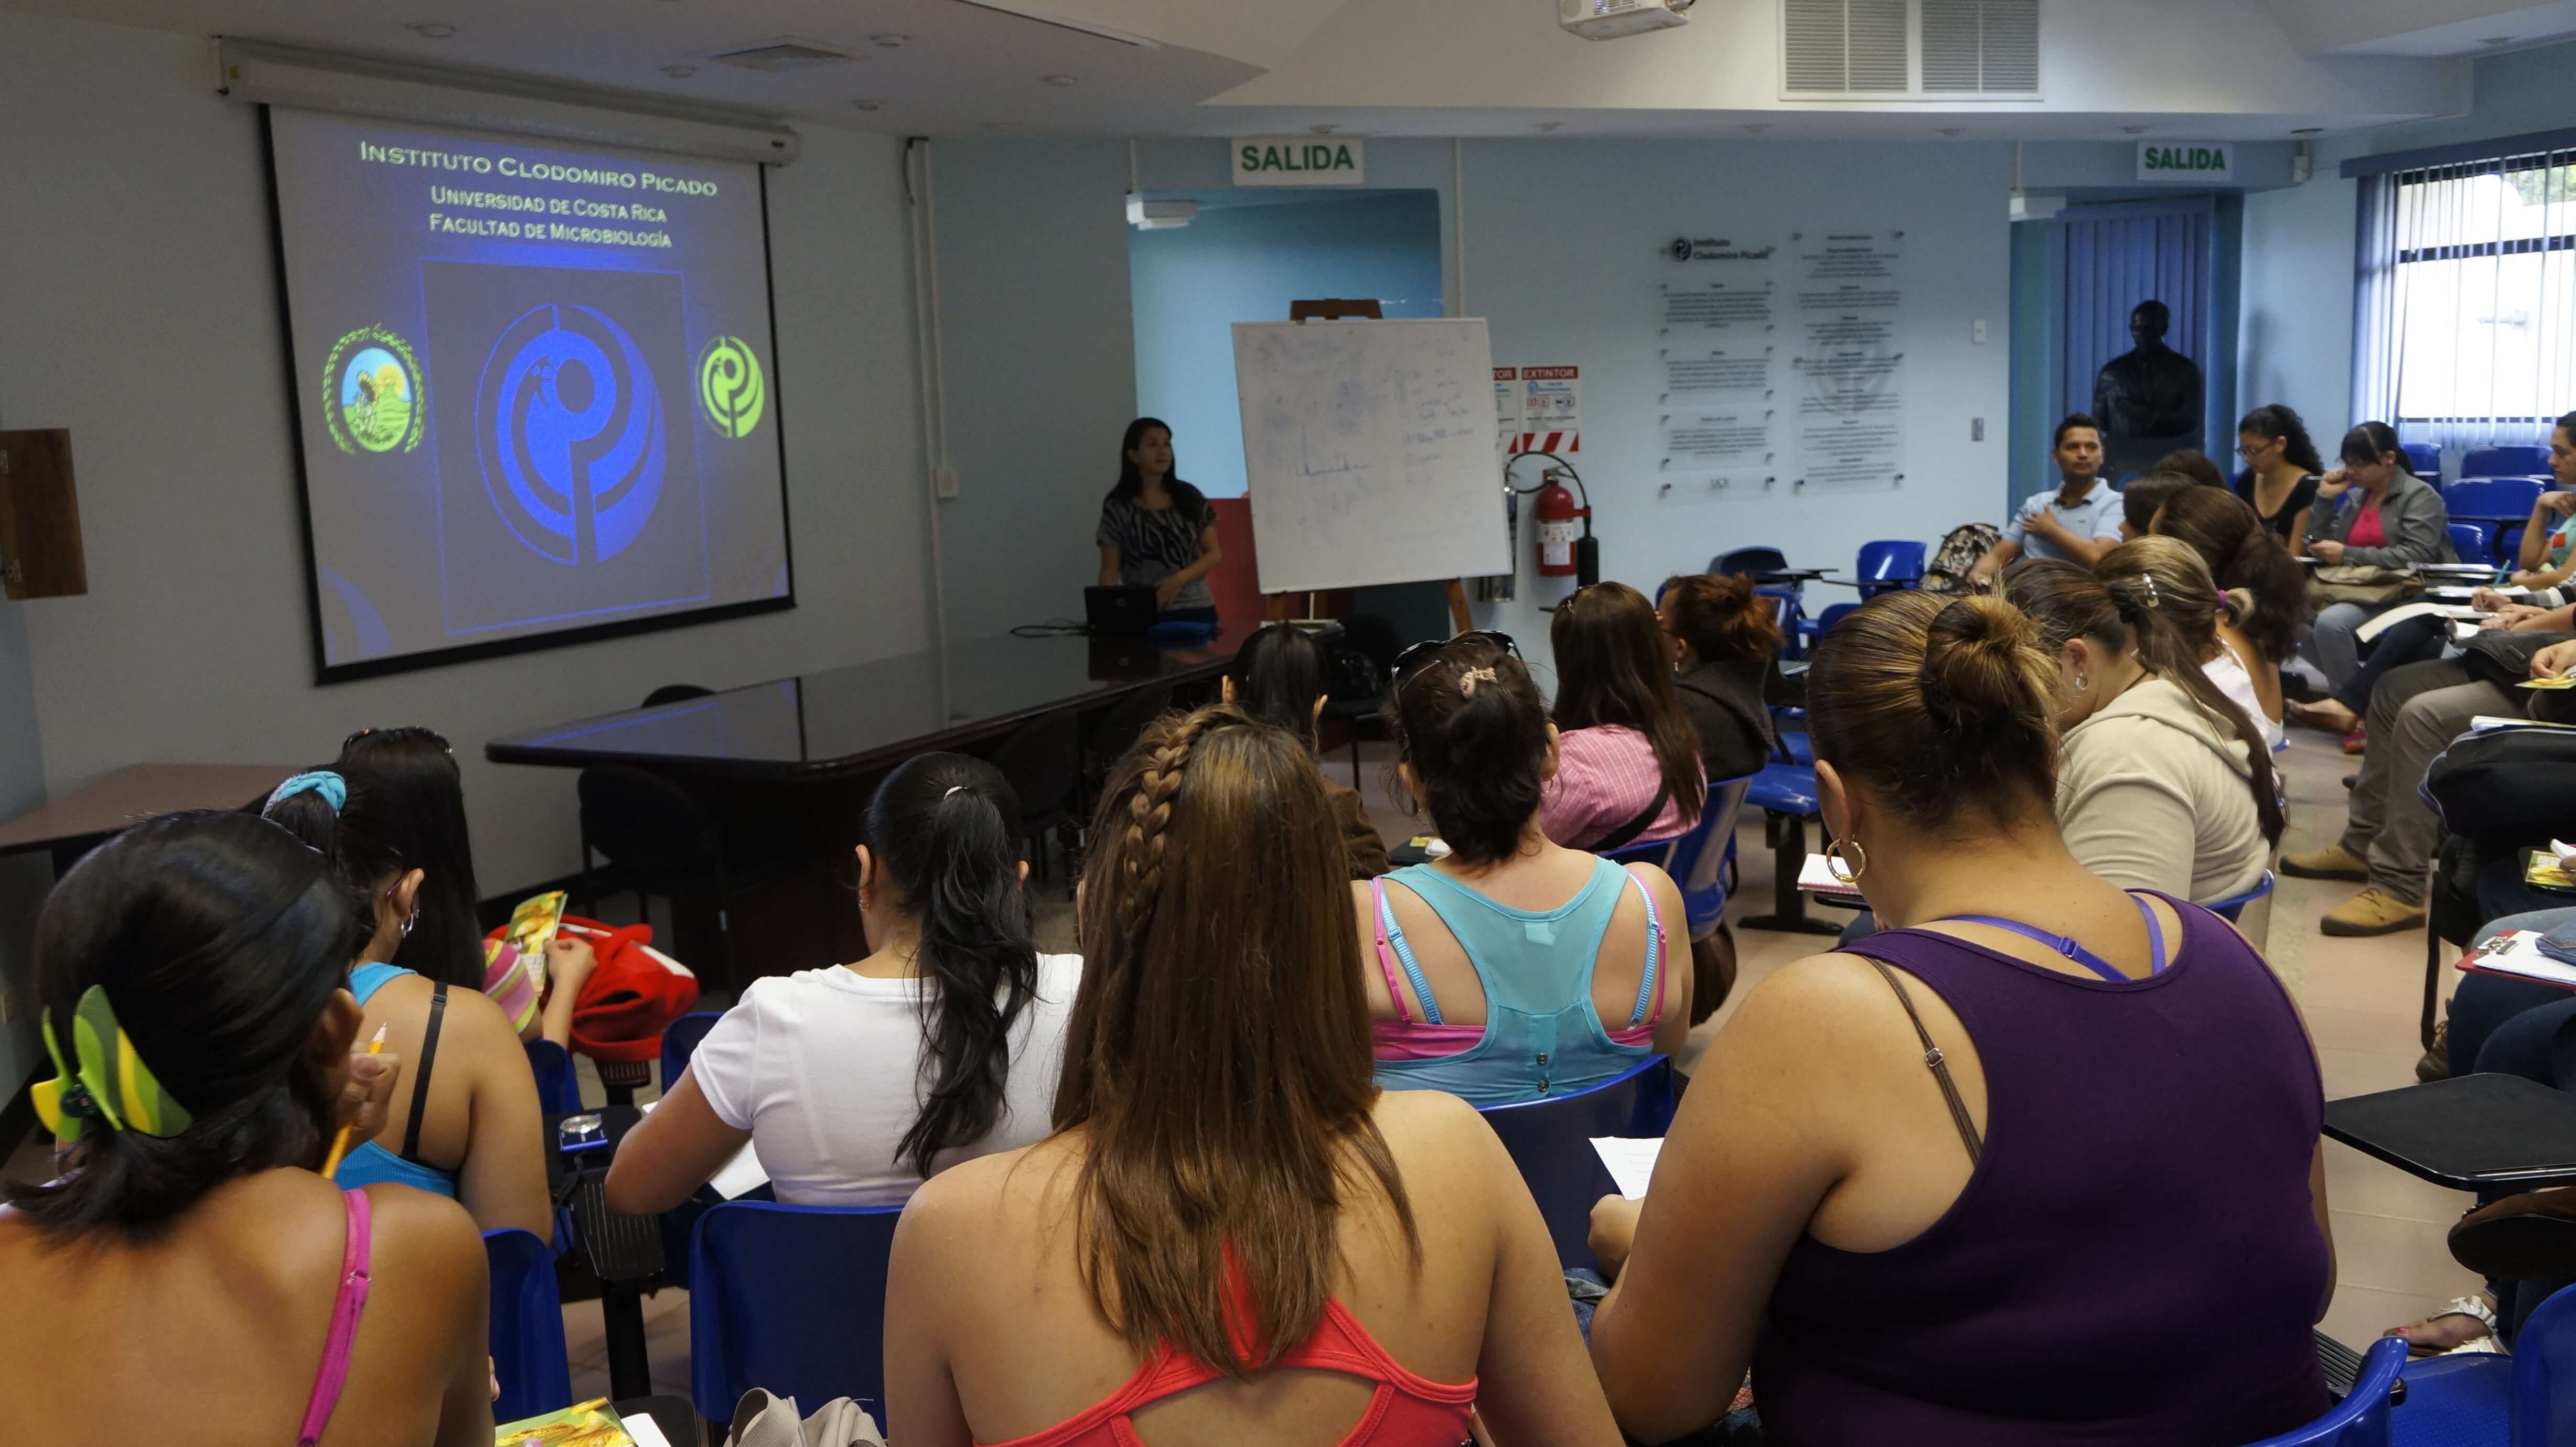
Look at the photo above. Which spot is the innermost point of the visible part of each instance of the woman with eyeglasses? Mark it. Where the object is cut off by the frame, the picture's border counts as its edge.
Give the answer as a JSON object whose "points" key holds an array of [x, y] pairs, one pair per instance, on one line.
{"points": [[2280, 479], [465, 1122], [2376, 511], [1628, 764], [413, 774], [1513, 968]]}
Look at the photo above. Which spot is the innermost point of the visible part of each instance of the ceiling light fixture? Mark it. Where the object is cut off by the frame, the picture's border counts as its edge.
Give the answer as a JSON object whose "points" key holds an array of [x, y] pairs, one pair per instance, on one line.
{"points": [[2133, 130], [1062, 22], [1323, 130], [1548, 125], [870, 104], [1058, 81], [1951, 130], [431, 29], [2309, 131], [2497, 40], [1756, 129], [1001, 125], [890, 40], [679, 72]]}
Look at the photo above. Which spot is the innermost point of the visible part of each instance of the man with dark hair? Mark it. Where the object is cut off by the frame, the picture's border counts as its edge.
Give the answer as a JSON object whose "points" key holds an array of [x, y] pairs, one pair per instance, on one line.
{"points": [[2079, 521]]}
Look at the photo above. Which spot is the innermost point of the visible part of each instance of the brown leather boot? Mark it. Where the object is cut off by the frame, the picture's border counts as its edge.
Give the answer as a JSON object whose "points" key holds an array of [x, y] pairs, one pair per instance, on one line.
{"points": [[2527, 1237]]}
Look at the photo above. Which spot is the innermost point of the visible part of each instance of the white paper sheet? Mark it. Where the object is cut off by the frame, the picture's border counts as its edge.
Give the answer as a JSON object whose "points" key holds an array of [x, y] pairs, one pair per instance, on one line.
{"points": [[645, 1431], [2517, 953], [1817, 876], [1631, 1161]]}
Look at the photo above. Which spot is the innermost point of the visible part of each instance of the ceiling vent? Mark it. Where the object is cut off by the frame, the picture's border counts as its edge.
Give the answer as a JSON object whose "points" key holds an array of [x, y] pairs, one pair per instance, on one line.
{"points": [[781, 55], [1898, 50]]}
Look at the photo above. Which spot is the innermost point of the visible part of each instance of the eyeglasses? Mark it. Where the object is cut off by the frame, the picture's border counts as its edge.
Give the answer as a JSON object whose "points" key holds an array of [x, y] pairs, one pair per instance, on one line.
{"points": [[2259, 448], [1411, 660]]}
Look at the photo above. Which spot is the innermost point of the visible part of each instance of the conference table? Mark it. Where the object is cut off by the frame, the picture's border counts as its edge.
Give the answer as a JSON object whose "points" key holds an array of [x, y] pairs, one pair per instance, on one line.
{"points": [[71, 826], [795, 758]]}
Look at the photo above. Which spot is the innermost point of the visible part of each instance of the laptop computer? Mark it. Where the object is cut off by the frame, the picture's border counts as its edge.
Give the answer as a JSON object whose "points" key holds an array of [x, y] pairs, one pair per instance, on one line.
{"points": [[1121, 612]]}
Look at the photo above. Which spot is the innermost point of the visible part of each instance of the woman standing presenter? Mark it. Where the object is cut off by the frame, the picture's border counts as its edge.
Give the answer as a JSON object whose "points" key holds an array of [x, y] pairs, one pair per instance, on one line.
{"points": [[1158, 531]]}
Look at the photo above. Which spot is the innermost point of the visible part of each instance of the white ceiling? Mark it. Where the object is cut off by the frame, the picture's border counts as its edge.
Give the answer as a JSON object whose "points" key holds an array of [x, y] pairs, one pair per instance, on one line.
{"points": [[2220, 69]]}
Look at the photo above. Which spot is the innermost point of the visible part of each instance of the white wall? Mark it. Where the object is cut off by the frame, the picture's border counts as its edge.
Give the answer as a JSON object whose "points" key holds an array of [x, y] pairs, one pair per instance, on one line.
{"points": [[137, 225], [1563, 247]]}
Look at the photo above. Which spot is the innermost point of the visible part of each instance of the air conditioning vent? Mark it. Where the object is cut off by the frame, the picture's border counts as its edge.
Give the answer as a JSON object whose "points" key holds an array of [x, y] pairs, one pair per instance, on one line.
{"points": [[1909, 49], [781, 55]]}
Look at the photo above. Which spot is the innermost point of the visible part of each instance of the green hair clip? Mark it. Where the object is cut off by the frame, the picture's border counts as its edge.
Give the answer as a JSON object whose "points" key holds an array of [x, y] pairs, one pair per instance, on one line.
{"points": [[113, 1084]]}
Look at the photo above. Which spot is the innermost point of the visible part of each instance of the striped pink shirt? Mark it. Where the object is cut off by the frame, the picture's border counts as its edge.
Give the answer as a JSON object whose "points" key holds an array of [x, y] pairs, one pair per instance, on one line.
{"points": [[1604, 775]]}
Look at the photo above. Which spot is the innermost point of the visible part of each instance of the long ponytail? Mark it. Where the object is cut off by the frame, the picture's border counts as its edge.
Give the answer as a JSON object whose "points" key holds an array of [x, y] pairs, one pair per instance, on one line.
{"points": [[943, 828]]}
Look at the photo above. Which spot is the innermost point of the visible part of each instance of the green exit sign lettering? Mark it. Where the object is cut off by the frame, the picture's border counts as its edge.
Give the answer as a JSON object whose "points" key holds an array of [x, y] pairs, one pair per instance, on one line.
{"points": [[2186, 160]]}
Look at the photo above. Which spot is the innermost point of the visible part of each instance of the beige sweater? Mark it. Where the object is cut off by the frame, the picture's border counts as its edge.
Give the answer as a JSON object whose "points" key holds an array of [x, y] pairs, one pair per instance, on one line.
{"points": [[2152, 793]]}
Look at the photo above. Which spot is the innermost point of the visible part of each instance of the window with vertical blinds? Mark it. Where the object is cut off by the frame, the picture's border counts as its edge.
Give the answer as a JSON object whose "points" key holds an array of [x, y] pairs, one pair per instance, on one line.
{"points": [[2467, 298]]}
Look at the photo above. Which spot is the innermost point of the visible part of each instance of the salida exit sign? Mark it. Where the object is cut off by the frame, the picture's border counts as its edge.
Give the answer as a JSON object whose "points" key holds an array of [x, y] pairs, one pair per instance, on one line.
{"points": [[1299, 161], [2186, 161]]}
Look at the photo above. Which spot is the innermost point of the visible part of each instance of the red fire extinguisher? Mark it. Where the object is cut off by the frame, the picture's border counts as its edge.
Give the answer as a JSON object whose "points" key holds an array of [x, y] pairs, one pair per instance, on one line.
{"points": [[1566, 547]]}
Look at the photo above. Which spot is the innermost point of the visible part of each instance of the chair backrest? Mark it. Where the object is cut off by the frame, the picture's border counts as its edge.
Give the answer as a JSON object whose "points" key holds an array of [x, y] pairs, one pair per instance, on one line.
{"points": [[1551, 1141], [2474, 542], [1882, 563], [2496, 498], [680, 1041], [2361, 1419], [1748, 560], [2425, 458], [2229, 909], [645, 823], [527, 1337], [558, 1089], [1374, 634], [1834, 613], [1698, 864], [2544, 1374], [2510, 461], [675, 693], [791, 1299], [1041, 760]]}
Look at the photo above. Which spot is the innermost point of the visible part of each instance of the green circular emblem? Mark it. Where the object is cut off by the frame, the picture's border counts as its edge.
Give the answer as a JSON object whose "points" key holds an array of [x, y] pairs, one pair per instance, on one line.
{"points": [[729, 386], [371, 393]]}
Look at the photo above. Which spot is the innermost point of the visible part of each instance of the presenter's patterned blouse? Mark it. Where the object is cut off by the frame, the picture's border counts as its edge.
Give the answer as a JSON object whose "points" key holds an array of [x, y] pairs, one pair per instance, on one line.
{"points": [[1155, 541]]}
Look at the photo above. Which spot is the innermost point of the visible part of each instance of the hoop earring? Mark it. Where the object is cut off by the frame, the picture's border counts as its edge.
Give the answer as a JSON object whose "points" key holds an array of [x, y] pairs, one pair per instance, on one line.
{"points": [[1843, 870], [2083, 681]]}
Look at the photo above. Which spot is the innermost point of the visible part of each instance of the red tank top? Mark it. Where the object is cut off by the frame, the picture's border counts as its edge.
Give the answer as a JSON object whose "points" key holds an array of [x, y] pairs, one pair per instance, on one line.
{"points": [[1408, 1410]]}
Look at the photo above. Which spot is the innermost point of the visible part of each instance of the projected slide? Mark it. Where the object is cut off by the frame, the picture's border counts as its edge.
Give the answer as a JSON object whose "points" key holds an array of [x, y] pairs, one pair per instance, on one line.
{"points": [[534, 389]]}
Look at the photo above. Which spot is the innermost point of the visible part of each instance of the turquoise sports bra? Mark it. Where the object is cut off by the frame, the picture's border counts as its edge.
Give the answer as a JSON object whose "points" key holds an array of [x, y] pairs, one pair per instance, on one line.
{"points": [[371, 1163]]}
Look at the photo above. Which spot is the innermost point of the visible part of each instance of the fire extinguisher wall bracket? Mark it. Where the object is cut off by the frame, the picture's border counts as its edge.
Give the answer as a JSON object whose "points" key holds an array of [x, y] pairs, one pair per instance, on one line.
{"points": [[1566, 547]]}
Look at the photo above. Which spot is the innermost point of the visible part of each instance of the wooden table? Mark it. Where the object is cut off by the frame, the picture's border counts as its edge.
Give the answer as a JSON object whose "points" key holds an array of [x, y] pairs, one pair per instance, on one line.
{"points": [[81, 820]]}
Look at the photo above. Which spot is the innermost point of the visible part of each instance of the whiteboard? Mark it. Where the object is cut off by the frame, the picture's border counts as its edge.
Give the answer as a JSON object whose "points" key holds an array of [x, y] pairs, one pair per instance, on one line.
{"points": [[1369, 449]]}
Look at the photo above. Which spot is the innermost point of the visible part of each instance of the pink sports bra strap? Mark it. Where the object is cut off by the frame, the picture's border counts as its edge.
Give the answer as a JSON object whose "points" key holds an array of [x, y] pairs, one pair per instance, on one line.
{"points": [[346, 1307], [1386, 957]]}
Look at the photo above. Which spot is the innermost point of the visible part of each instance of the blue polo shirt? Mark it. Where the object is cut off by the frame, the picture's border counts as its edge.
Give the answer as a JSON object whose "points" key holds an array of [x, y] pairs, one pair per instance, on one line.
{"points": [[2097, 516]]}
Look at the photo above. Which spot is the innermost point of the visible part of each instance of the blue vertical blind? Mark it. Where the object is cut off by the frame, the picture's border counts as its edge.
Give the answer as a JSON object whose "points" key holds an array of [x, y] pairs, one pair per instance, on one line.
{"points": [[2112, 264]]}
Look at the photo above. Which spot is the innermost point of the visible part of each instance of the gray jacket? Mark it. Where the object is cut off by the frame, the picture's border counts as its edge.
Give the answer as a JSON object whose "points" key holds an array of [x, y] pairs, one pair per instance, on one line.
{"points": [[2410, 512]]}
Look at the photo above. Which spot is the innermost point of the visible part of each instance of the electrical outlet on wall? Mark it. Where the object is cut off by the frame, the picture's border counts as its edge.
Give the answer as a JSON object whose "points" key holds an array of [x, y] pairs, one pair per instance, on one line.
{"points": [[943, 483]]}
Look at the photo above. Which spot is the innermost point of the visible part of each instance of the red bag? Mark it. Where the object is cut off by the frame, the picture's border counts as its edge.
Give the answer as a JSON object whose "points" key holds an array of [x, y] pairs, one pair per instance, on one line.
{"points": [[631, 996]]}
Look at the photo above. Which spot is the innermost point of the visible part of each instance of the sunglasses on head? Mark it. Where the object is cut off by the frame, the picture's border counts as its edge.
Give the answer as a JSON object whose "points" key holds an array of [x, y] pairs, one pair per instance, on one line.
{"points": [[1412, 660]]}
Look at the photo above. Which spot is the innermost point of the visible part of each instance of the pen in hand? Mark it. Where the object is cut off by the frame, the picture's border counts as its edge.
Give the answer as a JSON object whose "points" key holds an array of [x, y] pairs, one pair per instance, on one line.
{"points": [[340, 1142]]}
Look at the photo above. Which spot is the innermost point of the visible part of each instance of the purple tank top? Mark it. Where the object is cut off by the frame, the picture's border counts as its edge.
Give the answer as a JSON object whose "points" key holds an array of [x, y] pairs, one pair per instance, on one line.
{"points": [[2135, 1259]]}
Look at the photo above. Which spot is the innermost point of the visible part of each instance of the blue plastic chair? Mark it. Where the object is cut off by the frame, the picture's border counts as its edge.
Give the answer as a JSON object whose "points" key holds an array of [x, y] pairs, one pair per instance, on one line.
{"points": [[558, 1089], [2425, 458], [2229, 909], [2497, 500], [680, 1041], [790, 1298], [2362, 1419], [1551, 1141], [1885, 566], [1823, 623], [2510, 461], [527, 1336], [1695, 860], [2473, 541], [2527, 1399]]}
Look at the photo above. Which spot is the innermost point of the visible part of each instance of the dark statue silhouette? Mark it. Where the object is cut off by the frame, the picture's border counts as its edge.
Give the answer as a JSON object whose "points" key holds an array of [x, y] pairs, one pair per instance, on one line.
{"points": [[2148, 399]]}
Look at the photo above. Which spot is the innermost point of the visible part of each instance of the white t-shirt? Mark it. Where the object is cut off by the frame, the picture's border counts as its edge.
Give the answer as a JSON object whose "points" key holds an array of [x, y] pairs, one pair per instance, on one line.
{"points": [[822, 1067], [2228, 672]]}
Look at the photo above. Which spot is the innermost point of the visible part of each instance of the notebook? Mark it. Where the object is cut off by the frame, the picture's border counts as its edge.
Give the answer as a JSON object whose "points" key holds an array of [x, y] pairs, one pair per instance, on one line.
{"points": [[2515, 954]]}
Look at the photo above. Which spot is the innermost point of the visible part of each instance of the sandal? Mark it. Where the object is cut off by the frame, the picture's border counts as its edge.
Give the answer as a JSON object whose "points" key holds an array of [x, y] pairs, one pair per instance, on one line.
{"points": [[2473, 1307]]}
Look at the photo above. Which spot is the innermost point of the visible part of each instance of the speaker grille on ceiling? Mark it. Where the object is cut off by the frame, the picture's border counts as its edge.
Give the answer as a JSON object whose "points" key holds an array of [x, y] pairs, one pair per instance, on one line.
{"points": [[1897, 49]]}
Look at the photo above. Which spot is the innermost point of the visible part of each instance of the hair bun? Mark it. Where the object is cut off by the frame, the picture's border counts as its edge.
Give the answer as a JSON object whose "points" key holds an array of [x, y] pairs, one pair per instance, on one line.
{"points": [[1977, 660]]}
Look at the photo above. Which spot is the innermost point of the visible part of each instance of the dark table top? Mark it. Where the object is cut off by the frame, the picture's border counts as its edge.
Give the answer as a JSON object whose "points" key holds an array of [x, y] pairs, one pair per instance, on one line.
{"points": [[2465, 1132], [135, 793], [868, 715]]}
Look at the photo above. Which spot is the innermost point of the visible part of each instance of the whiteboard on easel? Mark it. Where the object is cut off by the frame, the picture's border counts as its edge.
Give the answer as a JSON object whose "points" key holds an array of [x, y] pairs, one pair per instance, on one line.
{"points": [[1369, 449]]}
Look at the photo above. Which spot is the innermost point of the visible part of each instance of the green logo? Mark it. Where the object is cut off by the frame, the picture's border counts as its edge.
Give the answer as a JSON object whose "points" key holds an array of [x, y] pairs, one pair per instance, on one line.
{"points": [[729, 386], [371, 393]]}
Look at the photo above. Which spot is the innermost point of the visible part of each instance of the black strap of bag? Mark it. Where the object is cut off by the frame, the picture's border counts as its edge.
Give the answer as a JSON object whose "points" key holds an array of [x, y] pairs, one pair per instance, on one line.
{"points": [[1618, 838]]}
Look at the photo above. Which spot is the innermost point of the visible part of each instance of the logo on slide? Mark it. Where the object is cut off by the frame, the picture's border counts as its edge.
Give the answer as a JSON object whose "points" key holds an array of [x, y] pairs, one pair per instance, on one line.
{"points": [[568, 428], [370, 393], [729, 386]]}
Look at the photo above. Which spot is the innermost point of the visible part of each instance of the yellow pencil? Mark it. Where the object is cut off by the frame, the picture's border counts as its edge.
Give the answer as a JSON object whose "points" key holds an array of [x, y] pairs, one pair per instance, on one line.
{"points": [[340, 1142]]}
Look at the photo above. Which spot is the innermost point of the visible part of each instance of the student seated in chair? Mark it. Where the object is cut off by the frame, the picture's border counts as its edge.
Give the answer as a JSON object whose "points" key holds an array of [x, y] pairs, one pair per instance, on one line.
{"points": [[1278, 678], [1233, 1236], [1722, 637], [2206, 624], [466, 1119], [1986, 1175], [187, 1276], [1514, 968], [858, 1082], [1628, 759]]}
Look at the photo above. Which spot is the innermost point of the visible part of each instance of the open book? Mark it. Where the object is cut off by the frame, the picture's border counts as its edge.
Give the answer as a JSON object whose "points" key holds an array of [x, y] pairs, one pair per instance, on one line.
{"points": [[2458, 613]]}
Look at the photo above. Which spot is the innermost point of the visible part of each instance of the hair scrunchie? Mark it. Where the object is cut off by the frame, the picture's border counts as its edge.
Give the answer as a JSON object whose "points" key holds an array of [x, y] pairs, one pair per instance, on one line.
{"points": [[333, 789]]}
